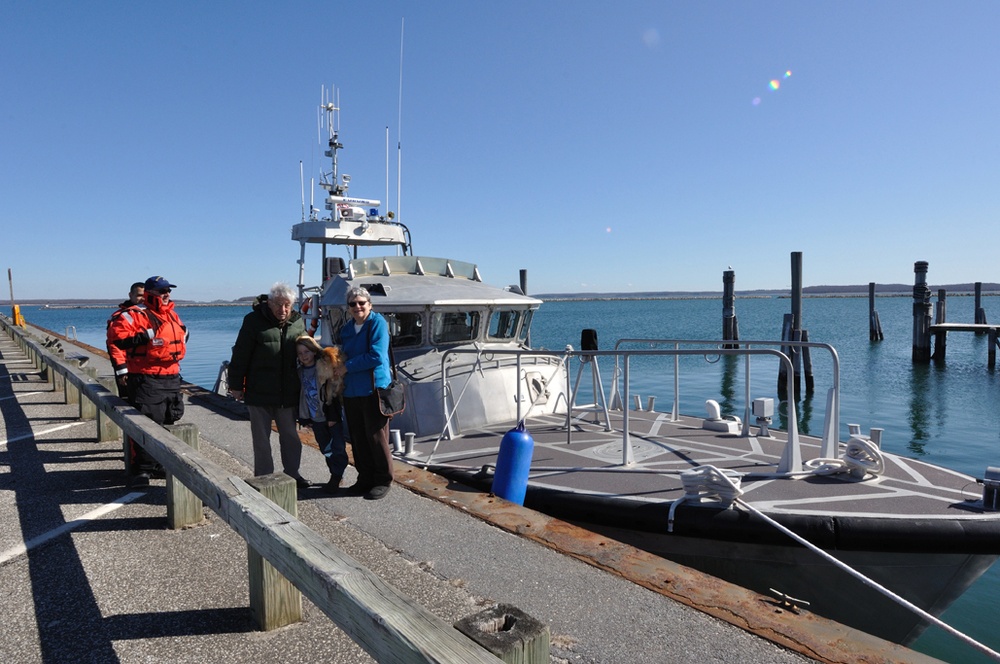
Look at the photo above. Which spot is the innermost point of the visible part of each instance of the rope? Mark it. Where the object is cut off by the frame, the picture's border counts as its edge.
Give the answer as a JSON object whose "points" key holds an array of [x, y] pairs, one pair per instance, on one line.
{"points": [[709, 482], [715, 482], [861, 456]]}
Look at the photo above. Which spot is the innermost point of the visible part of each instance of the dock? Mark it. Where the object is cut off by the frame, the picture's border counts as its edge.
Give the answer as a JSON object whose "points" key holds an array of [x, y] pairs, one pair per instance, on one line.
{"points": [[92, 573]]}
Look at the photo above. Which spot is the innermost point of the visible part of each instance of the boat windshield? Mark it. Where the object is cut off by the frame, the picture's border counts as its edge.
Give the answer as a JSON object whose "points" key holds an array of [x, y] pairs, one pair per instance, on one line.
{"points": [[504, 325], [406, 328], [449, 327]]}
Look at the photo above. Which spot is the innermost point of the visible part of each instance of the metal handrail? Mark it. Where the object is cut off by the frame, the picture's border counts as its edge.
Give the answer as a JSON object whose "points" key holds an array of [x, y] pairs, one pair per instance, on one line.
{"points": [[831, 424], [791, 458]]}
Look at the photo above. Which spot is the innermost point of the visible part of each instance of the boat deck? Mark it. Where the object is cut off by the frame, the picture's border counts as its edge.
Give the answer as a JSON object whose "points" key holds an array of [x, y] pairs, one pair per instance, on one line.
{"points": [[591, 463]]}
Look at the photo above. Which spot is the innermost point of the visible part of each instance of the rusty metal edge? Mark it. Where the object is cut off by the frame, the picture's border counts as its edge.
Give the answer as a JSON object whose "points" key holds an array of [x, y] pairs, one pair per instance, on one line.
{"points": [[802, 632]]}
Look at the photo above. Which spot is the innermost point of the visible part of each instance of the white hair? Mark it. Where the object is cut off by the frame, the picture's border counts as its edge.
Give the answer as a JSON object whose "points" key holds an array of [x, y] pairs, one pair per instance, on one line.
{"points": [[282, 291]]}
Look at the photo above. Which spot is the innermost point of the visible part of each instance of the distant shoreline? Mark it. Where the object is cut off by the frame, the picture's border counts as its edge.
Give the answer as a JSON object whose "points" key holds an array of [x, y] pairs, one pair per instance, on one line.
{"points": [[887, 290]]}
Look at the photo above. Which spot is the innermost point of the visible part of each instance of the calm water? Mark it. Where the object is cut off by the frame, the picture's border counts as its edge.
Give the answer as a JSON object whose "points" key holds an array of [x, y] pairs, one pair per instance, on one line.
{"points": [[945, 414]]}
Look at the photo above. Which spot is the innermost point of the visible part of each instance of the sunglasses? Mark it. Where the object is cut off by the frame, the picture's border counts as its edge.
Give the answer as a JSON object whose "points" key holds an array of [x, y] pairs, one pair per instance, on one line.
{"points": [[357, 303], [159, 291]]}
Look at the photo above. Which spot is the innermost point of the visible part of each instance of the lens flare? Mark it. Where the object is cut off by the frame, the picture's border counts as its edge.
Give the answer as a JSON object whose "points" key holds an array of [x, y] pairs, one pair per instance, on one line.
{"points": [[775, 84]]}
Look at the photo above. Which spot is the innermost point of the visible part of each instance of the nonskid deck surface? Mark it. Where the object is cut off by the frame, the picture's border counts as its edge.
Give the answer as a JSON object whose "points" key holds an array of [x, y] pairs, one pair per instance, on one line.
{"points": [[661, 449]]}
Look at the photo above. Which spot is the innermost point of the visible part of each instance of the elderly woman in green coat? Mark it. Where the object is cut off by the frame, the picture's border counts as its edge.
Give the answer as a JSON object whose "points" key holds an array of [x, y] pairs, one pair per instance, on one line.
{"points": [[263, 374]]}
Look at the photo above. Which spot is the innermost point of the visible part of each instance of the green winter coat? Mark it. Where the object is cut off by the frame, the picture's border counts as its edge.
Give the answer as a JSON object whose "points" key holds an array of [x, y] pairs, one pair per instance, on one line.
{"points": [[264, 359]]}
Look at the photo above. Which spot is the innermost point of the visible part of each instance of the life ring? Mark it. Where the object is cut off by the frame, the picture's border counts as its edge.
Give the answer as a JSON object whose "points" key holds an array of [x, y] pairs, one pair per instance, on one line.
{"points": [[306, 303]]}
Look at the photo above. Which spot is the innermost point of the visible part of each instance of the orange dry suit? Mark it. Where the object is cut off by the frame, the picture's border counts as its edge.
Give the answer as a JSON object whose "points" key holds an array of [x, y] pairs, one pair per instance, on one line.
{"points": [[147, 341]]}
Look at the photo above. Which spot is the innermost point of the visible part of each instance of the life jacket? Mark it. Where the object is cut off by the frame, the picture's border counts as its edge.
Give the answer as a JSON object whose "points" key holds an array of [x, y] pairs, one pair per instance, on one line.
{"points": [[159, 354]]}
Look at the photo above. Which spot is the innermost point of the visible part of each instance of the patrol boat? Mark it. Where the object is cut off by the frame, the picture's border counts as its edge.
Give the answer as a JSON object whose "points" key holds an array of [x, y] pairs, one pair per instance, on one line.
{"points": [[432, 305], [870, 539]]}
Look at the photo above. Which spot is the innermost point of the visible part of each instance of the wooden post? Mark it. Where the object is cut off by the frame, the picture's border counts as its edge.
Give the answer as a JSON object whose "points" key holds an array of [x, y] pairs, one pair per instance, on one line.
{"points": [[793, 325], [183, 507], [874, 324], [991, 355], [509, 633], [730, 325], [921, 314], [274, 601], [980, 313], [106, 427], [940, 317], [88, 409]]}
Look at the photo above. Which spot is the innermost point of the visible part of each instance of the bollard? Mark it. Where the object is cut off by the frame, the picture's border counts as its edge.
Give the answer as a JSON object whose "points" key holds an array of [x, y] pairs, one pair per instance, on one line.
{"points": [[509, 633], [274, 601], [395, 441], [106, 427], [183, 507], [409, 437]]}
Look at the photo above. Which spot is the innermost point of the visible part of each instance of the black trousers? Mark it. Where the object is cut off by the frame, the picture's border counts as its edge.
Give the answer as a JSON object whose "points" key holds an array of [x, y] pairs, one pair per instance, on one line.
{"points": [[369, 432]]}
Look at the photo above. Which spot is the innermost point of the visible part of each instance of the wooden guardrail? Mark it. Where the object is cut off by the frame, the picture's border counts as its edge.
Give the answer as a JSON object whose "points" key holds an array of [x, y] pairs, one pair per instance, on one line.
{"points": [[388, 625]]}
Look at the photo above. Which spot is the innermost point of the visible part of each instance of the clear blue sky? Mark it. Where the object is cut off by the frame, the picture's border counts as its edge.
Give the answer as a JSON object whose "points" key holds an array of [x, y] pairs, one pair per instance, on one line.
{"points": [[624, 146]]}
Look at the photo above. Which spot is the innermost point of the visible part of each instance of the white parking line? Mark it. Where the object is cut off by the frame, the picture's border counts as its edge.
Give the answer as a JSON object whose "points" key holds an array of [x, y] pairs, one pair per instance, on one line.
{"points": [[20, 394], [21, 549], [35, 434]]}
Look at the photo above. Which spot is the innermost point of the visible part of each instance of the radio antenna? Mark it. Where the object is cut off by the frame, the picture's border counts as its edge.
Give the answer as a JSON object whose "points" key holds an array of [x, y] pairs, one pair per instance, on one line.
{"points": [[302, 186], [399, 128]]}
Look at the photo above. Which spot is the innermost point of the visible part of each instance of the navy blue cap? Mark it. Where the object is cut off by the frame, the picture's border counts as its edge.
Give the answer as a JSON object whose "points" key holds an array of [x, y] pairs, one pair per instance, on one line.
{"points": [[158, 283]]}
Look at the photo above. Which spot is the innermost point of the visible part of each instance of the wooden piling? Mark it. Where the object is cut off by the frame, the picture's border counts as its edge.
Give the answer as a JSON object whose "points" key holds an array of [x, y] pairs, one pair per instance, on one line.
{"points": [[183, 507], [874, 324], [940, 317], [980, 312], [274, 601], [730, 325], [792, 331], [991, 354], [921, 314]]}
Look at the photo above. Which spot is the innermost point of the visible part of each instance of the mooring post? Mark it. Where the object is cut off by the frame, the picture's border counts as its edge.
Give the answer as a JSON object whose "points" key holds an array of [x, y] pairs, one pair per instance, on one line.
{"points": [[921, 314], [980, 312], [874, 324], [794, 330], [940, 317], [274, 601], [991, 354], [730, 326]]}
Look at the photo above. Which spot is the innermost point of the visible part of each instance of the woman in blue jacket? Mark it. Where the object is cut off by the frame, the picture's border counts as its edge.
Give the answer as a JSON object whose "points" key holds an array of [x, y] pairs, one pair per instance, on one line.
{"points": [[365, 341]]}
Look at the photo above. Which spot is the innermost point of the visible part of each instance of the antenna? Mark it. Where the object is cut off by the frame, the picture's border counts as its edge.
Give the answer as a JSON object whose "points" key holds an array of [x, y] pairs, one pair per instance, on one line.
{"points": [[387, 167], [399, 128], [302, 186]]}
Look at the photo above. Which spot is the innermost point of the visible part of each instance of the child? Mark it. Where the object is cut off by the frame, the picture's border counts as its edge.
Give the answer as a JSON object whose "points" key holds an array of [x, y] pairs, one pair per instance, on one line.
{"points": [[320, 407]]}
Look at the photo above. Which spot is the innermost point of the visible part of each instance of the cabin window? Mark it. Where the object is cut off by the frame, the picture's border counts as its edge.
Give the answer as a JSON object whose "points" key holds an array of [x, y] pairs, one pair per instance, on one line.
{"points": [[454, 326], [504, 324], [525, 325], [405, 329]]}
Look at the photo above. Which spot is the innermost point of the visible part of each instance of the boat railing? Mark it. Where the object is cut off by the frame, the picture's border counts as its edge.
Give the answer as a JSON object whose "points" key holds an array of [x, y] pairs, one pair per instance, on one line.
{"points": [[831, 424], [791, 458]]}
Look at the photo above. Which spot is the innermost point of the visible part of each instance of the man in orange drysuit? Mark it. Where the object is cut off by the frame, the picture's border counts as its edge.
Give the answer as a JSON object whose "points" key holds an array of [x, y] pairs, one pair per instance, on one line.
{"points": [[148, 347]]}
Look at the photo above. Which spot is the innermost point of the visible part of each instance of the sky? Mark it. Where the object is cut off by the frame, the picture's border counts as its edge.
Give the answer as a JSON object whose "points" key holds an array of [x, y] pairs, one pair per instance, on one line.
{"points": [[602, 147]]}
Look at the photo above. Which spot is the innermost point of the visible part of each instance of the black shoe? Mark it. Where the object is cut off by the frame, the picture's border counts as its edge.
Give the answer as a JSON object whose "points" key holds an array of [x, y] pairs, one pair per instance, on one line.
{"points": [[377, 492], [358, 489], [302, 482], [332, 487], [139, 479]]}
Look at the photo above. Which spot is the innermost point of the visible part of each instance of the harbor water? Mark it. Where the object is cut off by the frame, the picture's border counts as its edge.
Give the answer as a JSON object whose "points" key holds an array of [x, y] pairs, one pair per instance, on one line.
{"points": [[945, 413]]}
